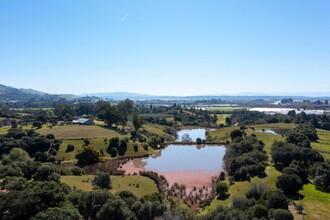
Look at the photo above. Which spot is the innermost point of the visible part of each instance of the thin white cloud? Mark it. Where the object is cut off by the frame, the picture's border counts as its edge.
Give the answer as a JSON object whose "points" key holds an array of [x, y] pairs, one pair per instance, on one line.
{"points": [[125, 17]]}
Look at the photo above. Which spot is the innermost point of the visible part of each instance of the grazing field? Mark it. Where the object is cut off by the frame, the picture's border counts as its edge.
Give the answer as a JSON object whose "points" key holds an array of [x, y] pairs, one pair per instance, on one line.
{"points": [[225, 109], [221, 118], [316, 203], [221, 134], [80, 182], [323, 144], [138, 185], [280, 128], [80, 131], [267, 138]]}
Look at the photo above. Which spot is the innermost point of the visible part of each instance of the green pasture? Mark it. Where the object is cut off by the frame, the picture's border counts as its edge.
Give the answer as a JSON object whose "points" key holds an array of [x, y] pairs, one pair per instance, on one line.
{"points": [[225, 109], [323, 144], [138, 185], [221, 118], [316, 203]]}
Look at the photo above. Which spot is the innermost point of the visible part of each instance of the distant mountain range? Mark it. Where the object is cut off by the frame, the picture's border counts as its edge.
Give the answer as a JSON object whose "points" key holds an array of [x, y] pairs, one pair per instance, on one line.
{"points": [[235, 96], [291, 94], [8, 93], [121, 95]]}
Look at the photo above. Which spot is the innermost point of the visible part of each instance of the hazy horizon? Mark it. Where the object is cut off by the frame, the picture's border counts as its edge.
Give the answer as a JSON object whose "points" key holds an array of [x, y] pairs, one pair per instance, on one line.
{"points": [[181, 48], [122, 93]]}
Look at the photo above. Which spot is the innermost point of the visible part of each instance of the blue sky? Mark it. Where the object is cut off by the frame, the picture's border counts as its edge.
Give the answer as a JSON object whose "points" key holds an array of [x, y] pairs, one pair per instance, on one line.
{"points": [[165, 47]]}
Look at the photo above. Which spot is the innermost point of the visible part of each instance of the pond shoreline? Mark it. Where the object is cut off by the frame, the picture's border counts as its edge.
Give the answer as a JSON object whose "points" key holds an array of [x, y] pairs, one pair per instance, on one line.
{"points": [[167, 143]]}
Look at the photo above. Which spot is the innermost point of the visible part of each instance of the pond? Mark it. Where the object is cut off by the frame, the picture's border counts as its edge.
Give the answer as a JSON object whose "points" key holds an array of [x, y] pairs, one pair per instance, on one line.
{"points": [[268, 131], [191, 165], [193, 134]]}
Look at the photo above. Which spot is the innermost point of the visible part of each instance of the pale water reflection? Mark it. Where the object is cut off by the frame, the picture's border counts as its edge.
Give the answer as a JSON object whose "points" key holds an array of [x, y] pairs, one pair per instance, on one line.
{"points": [[184, 158], [268, 131], [192, 133], [190, 165]]}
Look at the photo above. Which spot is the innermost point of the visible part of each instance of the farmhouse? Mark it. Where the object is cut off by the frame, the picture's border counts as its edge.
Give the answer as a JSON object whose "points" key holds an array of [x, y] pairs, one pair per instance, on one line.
{"points": [[84, 121]]}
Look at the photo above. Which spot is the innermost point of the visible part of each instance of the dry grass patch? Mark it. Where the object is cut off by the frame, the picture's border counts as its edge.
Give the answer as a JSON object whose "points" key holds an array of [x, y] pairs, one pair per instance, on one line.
{"points": [[80, 131]]}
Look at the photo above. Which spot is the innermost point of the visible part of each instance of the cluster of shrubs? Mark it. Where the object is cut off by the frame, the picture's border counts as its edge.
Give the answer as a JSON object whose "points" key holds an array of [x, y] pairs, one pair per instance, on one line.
{"points": [[88, 155], [259, 203], [42, 148], [156, 142], [245, 117], [298, 161], [302, 135], [182, 115], [320, 173], [32, 190], [245, 157], [159, 121], [117, 146]]}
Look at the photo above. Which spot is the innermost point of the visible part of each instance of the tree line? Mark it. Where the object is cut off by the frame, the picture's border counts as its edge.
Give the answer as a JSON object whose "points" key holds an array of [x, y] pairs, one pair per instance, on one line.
{"points": [[245, 117]]}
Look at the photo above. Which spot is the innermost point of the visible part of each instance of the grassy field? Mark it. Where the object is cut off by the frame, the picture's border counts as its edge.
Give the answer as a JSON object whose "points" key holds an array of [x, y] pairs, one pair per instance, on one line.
{"points": [[99, 123], [4, 130], [316, 203], [267, 138], [80, 182], [138, 185], [280, 128], [80, 131], [225, 109], [323, 144], [221, 134], [74, 134], [221, 118], [157, 130]]}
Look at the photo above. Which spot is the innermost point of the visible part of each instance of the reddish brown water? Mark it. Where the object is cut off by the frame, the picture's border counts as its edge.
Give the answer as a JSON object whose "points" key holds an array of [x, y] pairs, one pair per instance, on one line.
{"points": [[191, 166]]}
